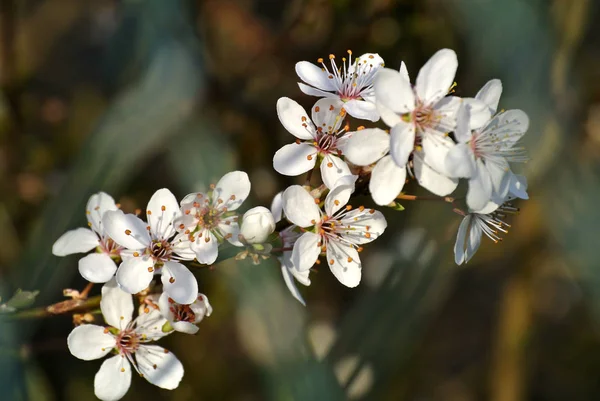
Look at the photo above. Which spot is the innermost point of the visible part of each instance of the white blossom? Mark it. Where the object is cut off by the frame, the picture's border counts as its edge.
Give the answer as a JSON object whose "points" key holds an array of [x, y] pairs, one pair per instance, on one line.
{"points": [[153, 248], [290, 273], [339, 231], [129, 341], [350, 85], [209, 218], [98, 267], [184, 318], [483, 155], [257, 224], [321, 139]]}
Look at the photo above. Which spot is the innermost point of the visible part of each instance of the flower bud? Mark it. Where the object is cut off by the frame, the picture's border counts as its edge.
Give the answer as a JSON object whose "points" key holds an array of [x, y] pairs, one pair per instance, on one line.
{"points": [[257, 224]]}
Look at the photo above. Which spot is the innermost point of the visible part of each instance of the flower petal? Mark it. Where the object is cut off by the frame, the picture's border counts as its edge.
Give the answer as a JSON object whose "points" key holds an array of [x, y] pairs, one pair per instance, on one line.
{"points": [[327, 114], [159, 366], [206, 247], [473, 239], [332, 169], [404, 71], [362, 109], [75, 241], [387, 115], [306, 251], [277, 206], [514, 124], [518, 186], [299, 207], [310, 91], [315, 76], [179, 282], [116, 305], [337, 198], [480, 187], [113, 379], [126, 230], [402, 142], [295, 159], [393, 91], [462, 132], [294, 119], [90, 342], [436, 148], [387, 181], [490, 94], [363, 226], [479, 112], [459, 245], [230, 229], [288, 278], [150, 322], [165, 307], [134, 274], [436, 76], [161, 211], [97, 267], [232, 189], [185, 327], [430, 179], [367, 146], [344, 263], [460, 161], [95, 208], [181, 244]]}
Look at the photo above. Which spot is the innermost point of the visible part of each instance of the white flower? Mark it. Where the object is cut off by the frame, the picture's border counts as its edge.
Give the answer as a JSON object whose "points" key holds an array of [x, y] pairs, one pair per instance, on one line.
{"points": [[339, 231], [96, 267], [421, 116], [209, 218], [257, 224], [488, 221], [184, 318], [322, 138], [288, 270], [153, 248], [483, 155], [128, 339], [350, 85]]}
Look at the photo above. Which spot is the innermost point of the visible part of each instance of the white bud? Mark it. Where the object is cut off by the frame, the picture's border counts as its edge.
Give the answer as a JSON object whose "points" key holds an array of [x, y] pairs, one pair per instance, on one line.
{"points": [[257, 224]]}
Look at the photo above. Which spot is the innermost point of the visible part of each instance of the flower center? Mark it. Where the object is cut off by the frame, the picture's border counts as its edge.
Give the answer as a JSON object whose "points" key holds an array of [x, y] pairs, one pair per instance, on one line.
{"points": [[182, 313], [425, 118], [209, 217], [128, 342], [110, 247], [326, 143], [160, 250]]}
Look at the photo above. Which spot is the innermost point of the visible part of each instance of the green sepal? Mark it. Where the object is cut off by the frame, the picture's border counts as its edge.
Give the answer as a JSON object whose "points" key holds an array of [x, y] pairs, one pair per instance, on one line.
{"points": [[167, 327]]}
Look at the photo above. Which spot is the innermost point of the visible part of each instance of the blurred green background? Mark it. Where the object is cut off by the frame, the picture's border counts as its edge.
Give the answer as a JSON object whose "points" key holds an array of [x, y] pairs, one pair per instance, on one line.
{"points": [[133, 95]]}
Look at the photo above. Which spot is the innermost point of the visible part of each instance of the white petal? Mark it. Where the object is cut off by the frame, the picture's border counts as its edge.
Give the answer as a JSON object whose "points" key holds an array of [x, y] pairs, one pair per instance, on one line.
{"points": [[233, 189], [315, 76], [518, 186], [95, 208], [367, 146], [179, 282], [116, 305], [344, 263], [480, 188], [277, 206], [97, 267], [150, 324], [430, 179], [185, 327], [473, 240], [306, 251], [295, 159], [479, 112], [490, 94], [460, 161], [332, 169], [113, 379], [393, 91], [462, 132], [300, 207], [206, 250], [126, 230], [500, 178], [181, 245], [161, 211], [201, 307], [362, 109], [288, 278], [448, 108], [90, 342], [404, 71], [517, 120], [337, 198], [387, 115], [459, 245], [436, 148], [402, 142], [387, 181], [228, 226], [363, 226], [165, 307], [159, 366], [436, 76], [327, 114], [310, 91], [134, 274], [294, 118], [75, 241]]}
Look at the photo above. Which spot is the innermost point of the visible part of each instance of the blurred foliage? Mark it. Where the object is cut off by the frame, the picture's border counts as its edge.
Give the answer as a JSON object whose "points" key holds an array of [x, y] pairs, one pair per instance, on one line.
{"points": [[129, 96]]}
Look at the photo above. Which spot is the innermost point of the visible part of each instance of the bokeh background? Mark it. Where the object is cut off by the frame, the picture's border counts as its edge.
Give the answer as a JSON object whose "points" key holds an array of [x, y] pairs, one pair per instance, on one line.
{"points": [[133, 95]]}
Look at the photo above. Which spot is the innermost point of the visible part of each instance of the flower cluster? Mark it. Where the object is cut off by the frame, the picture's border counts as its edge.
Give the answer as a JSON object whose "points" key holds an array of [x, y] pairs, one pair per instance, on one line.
{"points": [[419, 131]]}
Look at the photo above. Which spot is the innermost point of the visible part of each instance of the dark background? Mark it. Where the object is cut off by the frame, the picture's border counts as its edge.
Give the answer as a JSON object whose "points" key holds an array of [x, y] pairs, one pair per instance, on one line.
{"points": [[130, 96]]}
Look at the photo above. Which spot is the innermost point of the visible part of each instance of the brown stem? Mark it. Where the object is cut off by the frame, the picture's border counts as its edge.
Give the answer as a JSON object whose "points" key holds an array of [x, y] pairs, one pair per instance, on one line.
{"points": [[425, 197], [86, 291]]}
